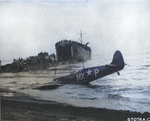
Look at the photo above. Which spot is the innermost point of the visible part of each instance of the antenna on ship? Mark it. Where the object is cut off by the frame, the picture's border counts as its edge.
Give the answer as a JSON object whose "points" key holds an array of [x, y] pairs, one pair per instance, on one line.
{"points": [[81, 36]]}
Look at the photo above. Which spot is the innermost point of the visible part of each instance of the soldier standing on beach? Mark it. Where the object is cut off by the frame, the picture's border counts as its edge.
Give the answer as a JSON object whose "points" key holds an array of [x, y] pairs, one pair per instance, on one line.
{"points": [[0, 67], [54, 56]]}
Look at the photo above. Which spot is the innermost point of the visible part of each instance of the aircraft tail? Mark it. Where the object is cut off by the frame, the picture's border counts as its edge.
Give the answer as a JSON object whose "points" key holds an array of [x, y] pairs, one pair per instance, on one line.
{"points": [[118, 60]]}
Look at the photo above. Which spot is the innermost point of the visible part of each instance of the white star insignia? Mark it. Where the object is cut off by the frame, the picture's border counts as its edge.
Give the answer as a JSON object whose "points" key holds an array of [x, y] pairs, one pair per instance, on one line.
{"points": [[89, 72]]}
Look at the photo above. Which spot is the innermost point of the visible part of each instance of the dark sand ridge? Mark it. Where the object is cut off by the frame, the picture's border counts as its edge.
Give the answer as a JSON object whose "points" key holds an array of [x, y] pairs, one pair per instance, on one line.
{"points": [[21, 107]]}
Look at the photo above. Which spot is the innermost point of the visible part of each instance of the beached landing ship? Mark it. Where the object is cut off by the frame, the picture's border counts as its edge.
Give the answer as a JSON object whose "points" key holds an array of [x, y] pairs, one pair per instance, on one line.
{"points": [[87, 75], [67, 50], [14, 67]]}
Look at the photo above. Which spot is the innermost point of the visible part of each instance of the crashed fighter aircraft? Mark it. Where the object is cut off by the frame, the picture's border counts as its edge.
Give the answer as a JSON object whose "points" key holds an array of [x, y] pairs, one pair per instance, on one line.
{"points": [[87, 75]]}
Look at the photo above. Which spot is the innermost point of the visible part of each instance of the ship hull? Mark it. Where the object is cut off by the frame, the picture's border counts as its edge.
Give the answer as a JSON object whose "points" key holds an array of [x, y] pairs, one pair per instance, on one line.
{"points": [[67, 50]]}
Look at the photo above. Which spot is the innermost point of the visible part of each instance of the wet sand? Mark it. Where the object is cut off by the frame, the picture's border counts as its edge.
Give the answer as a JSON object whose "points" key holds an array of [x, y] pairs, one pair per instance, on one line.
{"points": [[21, 107]]}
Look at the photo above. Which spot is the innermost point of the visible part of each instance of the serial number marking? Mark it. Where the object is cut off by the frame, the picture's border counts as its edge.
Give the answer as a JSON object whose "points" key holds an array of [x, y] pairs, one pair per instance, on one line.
{"points": [[138, 119]]}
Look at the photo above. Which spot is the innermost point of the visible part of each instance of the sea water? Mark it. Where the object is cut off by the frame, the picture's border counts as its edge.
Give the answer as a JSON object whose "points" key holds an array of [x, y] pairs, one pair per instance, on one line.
{"points": [[129, 91]]}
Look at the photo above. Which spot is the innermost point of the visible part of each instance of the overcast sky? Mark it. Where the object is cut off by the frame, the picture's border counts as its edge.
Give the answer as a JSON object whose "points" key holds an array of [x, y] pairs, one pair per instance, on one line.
{"points": [[27, 28]]}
